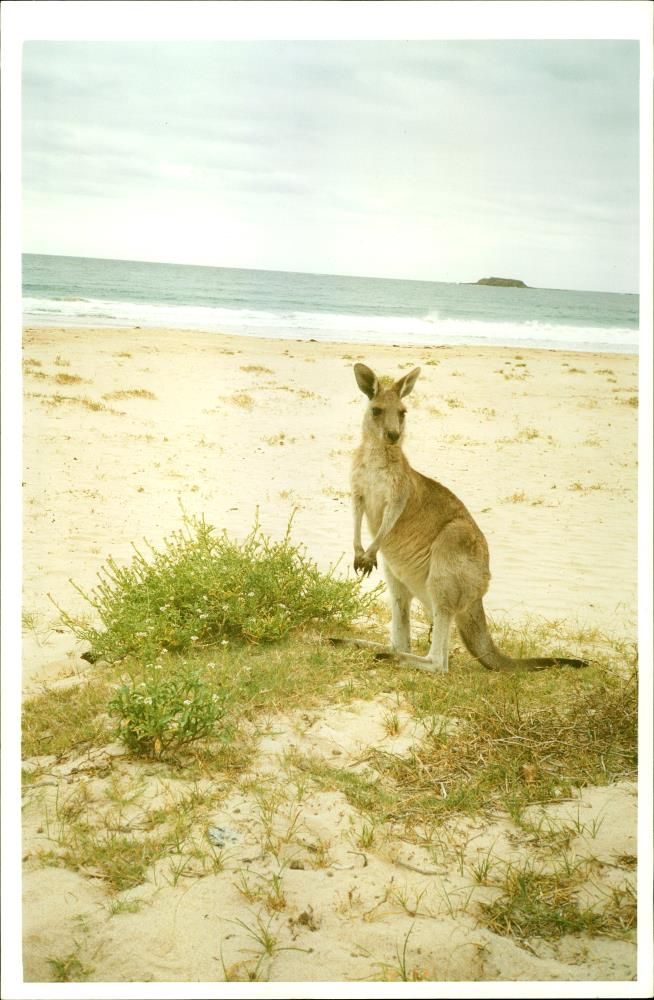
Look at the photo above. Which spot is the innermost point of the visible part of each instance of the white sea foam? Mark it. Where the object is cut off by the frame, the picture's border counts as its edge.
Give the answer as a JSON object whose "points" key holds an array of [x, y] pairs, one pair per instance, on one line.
{"points": [[432, 329]]}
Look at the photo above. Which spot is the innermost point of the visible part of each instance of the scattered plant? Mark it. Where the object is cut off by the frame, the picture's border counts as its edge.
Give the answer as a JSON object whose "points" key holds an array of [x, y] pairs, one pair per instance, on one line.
{"points": [[130, 394], [166, 711]]}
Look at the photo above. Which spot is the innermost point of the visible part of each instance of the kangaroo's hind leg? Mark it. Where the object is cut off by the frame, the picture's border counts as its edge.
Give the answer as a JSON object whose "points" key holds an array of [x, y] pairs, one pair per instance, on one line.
{"points": [[436, 659], [401, 612], [440, 639], [458, 572]]}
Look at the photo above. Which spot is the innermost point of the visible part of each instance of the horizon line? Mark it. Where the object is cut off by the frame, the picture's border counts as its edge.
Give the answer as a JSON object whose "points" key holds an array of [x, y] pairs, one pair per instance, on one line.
{"points": [[317, 274]]}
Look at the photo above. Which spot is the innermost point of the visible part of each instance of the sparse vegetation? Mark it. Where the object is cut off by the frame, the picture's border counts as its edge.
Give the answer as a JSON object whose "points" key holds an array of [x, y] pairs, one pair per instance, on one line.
{"points": [[242, 399], [58, 400], [69, 969], [63, 718], [509, 374], [280, 439], [129, 394], [578, 487], [257, 370], [518, 497], [536, 902], [492, 743], [517, 740]]}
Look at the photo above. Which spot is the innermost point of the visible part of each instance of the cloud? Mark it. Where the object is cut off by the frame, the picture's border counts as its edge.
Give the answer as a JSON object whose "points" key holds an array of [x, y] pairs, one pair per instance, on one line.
{"points": [[384, 139]]}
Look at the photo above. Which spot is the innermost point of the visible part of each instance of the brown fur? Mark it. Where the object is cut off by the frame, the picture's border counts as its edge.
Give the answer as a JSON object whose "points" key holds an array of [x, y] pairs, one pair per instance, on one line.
{"points": [[433, 550]]}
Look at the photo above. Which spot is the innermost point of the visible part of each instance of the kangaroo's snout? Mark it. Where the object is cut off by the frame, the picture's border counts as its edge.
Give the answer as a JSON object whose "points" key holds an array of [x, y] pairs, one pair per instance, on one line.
{"points": [[393, 436]]}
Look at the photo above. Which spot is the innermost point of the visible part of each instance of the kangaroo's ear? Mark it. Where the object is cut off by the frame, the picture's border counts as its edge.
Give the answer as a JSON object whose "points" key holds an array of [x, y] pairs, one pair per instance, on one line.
{"points": [[405, 384], [366, 380]]}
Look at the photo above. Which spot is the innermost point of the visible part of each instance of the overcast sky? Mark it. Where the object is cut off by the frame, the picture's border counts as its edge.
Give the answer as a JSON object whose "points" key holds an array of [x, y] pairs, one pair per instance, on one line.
{"points": [[438, 160]]}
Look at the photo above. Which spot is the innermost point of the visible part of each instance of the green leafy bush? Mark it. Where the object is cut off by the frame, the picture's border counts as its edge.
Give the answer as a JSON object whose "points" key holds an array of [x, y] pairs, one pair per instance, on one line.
{"points": [[204, 589], [165, 711]]}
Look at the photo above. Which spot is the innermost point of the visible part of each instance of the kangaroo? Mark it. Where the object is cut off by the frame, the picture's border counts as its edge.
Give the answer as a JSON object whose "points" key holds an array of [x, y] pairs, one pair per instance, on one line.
{"points": [[433, 550]]}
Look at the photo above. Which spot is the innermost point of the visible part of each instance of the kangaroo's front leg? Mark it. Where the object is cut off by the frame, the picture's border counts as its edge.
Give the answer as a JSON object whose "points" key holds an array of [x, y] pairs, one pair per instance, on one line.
{"points": [[367, 561], [357, 510]]}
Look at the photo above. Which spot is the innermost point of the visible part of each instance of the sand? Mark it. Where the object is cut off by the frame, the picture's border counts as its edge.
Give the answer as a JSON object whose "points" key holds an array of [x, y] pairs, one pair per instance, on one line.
{"points": [[540, 445]]}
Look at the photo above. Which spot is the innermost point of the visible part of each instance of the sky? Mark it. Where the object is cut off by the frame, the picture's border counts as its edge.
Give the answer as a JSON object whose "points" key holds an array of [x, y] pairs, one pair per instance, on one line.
{"points": [[437, 160]]}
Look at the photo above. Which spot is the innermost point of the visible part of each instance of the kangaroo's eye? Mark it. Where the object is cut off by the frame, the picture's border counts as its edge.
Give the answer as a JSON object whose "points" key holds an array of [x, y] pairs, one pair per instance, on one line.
{"points": [[402, 414], [376, 412]]}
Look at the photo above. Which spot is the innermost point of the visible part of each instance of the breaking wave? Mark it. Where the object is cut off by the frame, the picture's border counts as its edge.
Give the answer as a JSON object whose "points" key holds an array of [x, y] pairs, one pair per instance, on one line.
{"points": [[432, 329]]}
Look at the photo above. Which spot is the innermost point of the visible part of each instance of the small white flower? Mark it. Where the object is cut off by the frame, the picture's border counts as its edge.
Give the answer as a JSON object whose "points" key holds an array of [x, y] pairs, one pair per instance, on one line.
{"points": [[211, 665], [195, 638], [147, 701], [187, 701], [158, 666], [224, 642], [164, 652], [215, 697], [251, 593]]}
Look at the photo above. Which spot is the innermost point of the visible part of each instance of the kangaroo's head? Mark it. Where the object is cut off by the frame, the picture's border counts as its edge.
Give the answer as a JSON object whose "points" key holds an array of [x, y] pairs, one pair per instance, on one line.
{"points": [[384, 419]]}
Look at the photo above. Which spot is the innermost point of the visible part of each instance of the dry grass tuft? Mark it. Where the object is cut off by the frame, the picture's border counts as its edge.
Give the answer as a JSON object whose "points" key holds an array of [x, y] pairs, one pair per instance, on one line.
{"points": [[539, 903], [242, 399], [130, 394], [59, 400], [509, 731]]}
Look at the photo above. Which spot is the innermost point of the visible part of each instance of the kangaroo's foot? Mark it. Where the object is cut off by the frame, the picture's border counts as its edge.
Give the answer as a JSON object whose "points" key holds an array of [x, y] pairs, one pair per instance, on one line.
{"points": [[420, 662], [385, 653]]}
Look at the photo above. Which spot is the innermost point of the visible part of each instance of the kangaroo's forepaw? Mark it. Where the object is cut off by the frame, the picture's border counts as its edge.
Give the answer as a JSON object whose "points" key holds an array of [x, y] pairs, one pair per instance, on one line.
{"points": [[365, 563]]}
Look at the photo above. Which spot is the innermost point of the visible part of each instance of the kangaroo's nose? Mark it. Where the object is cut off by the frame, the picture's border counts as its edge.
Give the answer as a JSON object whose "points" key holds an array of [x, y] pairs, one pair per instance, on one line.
{"points": [[393, 436]]}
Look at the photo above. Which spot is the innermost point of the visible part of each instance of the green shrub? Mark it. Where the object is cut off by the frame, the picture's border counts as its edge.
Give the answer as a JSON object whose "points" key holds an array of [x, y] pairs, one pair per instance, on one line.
{"points": [[165, 711], [204, 589]]}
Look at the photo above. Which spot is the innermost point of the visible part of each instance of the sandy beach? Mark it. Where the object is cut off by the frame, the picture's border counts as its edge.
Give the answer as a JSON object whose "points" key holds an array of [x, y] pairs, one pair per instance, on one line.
{"points": [[540, 445], [123, 426]]}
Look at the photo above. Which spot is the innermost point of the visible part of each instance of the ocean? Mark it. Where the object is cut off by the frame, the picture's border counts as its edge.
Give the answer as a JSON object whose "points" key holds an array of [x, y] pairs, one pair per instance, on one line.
{"points": [[63, 291]]}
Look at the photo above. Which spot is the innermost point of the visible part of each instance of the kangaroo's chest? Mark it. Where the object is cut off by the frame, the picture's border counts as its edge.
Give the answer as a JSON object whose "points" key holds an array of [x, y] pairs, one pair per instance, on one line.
{"points": [[378, 485]]}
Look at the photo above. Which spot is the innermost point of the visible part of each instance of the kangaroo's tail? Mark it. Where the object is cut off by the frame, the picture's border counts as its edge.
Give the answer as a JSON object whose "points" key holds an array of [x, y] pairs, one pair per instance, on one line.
{"points": [[477, 639]]}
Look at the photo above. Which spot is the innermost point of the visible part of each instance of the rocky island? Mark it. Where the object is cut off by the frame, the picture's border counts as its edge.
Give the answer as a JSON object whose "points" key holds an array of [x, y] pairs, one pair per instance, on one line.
{"points": [[502, 282]]}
